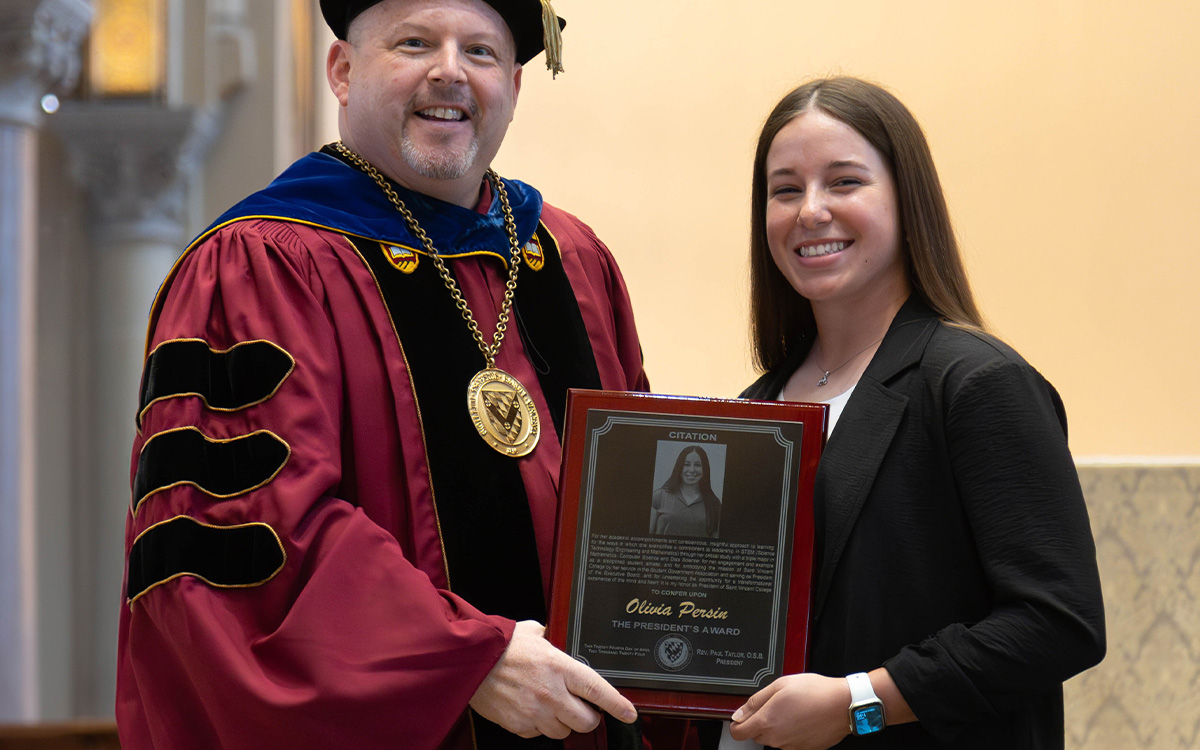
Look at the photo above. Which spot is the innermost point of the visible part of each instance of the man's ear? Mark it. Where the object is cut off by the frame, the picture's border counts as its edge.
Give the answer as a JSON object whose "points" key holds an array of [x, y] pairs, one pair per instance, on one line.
{"points": [[517, 82], [337, 70]]}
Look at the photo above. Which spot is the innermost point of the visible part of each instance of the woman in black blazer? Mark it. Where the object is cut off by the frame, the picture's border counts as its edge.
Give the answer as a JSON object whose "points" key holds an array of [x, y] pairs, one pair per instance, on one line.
{"points": [[955, 585]]}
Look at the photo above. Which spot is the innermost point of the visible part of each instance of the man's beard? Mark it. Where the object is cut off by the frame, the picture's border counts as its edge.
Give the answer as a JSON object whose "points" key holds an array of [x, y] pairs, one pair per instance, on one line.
{"points": [[439, 163]]}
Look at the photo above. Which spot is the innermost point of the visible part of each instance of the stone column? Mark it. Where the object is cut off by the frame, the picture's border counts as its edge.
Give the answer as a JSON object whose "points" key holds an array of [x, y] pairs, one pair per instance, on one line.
{"points": [[39, 51], [134, 160]]}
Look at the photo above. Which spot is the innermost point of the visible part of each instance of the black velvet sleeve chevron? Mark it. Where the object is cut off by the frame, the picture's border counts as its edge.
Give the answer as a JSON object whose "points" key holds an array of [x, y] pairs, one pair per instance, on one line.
{"points": [[221, 468], [223, 556], [238, 377]]}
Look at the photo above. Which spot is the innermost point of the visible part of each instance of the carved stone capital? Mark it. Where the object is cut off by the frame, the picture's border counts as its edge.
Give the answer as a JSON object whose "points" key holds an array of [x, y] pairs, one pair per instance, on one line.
{"points": [[39, 53], [135, 160], [231, 44]]}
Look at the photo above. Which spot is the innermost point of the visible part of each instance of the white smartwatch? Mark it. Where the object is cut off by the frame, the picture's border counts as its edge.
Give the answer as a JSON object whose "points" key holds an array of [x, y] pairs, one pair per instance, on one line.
{"points": [[866, 710]]}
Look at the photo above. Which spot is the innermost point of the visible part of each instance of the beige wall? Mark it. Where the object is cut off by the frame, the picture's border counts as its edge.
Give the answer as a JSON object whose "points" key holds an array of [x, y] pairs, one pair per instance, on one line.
{"points": [[1066, 133]]}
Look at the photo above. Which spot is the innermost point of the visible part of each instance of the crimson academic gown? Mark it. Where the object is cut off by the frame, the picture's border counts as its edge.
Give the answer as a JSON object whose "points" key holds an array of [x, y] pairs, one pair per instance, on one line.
{"points": [[302, 501]]}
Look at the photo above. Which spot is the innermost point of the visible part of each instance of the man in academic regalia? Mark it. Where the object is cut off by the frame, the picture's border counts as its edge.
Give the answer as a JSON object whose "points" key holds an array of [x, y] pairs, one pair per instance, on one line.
{"points": [[345, 475]]}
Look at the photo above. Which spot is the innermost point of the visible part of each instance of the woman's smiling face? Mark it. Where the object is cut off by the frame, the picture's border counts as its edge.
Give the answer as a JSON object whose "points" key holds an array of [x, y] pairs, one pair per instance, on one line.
{"points": [[693, 469], [832, 219]]}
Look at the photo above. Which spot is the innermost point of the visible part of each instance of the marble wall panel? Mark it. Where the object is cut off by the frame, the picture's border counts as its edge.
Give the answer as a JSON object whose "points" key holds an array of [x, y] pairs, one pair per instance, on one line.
{"points": [[1144, 694]]}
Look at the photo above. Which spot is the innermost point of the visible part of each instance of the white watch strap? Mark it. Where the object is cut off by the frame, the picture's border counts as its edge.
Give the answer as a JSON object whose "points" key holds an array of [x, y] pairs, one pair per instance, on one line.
{"points": [[861, 690]]}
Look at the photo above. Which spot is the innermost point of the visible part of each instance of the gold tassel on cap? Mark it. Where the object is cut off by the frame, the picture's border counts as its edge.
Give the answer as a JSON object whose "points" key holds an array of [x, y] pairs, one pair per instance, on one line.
{"points": [[553, 38]]}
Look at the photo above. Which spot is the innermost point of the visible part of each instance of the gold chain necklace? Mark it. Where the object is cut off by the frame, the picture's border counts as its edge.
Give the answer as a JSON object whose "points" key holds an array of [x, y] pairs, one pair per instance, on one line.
{"points": [[500, 407]]}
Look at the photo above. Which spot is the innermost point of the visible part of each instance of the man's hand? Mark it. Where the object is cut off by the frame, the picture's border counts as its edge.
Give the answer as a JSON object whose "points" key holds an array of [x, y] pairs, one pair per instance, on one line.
{"points": [[796, 712], [537, 689]]}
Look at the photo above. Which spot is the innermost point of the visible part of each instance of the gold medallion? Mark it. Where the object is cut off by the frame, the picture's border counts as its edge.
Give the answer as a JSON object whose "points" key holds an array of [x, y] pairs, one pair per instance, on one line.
{"points": [[500, 407], [503, 412]]}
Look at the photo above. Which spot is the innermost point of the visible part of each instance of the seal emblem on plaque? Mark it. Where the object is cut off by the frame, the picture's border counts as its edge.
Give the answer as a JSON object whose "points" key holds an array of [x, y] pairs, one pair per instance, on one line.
{"points": [[673, 652]]}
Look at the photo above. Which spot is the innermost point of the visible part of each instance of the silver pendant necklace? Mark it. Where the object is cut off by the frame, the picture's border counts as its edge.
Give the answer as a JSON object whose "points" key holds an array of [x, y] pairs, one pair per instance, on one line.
{"points": [[825, 378]]}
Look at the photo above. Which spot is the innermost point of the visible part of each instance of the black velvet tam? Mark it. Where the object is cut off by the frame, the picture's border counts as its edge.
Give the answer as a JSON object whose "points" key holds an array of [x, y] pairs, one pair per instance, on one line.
{"points": [[524, 19]]}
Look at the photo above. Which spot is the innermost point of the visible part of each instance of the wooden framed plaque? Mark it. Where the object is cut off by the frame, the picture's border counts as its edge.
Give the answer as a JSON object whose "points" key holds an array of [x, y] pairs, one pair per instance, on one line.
{"points": [[683, 558]]}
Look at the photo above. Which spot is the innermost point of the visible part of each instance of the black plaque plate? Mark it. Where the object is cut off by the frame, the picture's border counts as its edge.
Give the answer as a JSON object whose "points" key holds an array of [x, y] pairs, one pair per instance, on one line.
{"points": [[686, 605]]}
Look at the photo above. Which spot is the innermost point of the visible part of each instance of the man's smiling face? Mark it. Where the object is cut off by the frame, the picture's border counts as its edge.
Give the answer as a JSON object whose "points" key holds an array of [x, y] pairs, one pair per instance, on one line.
{"points": [[428, 89]]}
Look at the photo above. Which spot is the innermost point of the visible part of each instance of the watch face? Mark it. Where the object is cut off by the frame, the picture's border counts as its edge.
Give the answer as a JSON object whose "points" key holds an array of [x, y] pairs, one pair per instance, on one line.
{"points": [[868, 719]]}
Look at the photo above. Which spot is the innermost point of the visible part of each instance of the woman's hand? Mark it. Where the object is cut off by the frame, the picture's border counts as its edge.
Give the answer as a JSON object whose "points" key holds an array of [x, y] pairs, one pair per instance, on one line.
{"points": [[796, 712]]}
